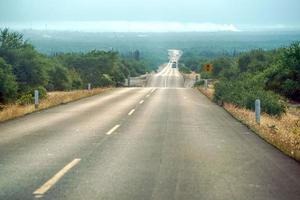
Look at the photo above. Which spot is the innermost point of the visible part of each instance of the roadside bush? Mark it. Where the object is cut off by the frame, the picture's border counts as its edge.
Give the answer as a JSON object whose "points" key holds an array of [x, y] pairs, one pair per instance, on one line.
{"points": [[199, 83], [106, 80], [243, 94], [184, 70], [42, 92], [28, 98], [25, 99], [206, 75]]}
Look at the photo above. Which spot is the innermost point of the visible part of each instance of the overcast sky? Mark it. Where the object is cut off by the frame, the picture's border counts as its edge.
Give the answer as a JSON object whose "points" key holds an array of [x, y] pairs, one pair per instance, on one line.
{"points": [[160, 14]]}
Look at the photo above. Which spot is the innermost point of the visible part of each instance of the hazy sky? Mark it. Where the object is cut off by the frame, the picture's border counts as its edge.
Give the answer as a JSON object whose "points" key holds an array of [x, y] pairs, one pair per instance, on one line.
{"points": [[231, 14]]}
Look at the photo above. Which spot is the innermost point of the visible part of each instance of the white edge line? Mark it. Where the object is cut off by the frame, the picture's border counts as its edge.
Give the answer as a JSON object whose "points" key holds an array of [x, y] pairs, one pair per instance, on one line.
{"points": [[113, 129], [131, 112], [51, 182]]}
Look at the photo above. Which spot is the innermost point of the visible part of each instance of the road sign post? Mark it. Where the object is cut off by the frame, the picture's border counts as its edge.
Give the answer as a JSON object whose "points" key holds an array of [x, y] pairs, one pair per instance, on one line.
{"points": [[89, 86], [36, 99], [257, 111], [205, 84], [128, 79]]}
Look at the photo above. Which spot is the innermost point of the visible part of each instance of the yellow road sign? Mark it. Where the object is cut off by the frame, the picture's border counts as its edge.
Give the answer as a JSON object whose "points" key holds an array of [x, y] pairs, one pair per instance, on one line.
{"points": [[208, 67]]}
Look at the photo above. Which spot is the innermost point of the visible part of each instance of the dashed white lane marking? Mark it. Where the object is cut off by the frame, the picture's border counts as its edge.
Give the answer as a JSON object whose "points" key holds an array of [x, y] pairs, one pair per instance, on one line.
{"points": [[142, 101], [51, 182], [131, 112], [153, 90], [148, 95], [113, 129]]}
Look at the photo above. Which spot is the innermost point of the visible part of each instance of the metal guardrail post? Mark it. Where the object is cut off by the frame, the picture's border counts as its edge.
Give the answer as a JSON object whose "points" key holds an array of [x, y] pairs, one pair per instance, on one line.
{"points": [[128, 81], [205, 84], [257, 111], [36, 99]]}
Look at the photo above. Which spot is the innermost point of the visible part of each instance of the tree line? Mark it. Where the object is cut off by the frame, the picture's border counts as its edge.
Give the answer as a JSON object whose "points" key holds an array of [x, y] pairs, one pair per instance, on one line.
{"points": [[23, 69], [272, 76]]}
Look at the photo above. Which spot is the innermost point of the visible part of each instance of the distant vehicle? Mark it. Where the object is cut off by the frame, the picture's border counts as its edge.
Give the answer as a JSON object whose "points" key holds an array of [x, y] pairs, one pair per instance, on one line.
{"points": [[174, 65]]}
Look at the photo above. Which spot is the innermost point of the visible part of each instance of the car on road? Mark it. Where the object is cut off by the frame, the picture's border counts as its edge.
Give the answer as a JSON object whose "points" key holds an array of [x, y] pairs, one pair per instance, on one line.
{"points": [[174, 64]]}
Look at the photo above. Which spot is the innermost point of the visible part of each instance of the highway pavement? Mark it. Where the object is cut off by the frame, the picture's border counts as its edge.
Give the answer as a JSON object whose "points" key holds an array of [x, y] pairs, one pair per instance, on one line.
{"points": [[160, 142]]}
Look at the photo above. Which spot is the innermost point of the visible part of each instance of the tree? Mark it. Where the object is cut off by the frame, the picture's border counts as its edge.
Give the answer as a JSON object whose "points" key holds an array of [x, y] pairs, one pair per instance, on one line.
{"points": [[29, 69], [75, 78], [59, 78], [284, 78], [8, 84], [137, 55], [221, 63], [27, 64], [230, 72], [10, 40], [253, 61]]}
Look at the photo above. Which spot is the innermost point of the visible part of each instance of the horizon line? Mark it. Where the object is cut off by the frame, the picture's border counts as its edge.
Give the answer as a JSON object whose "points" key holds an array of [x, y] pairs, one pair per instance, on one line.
{"points": [[144, 27]]}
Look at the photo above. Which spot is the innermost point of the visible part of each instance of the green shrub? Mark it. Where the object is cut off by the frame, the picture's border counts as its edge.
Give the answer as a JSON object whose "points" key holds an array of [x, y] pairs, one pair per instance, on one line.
{"points": [[243, 93], [199, 83], [206, 75], [185, 70], [28, 98], [42, 92], [106, 80], [25, 99]]}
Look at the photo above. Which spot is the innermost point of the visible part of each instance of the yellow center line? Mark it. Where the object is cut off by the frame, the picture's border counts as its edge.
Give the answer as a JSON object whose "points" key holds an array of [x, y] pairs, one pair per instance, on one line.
{"points": [[113, 129], [51, 182]]}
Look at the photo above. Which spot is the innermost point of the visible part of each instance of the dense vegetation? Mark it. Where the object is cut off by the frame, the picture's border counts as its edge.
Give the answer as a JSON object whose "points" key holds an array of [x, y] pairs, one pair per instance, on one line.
{"points": [[23, 69], [154, 46], [267, 75], [243, 74]]}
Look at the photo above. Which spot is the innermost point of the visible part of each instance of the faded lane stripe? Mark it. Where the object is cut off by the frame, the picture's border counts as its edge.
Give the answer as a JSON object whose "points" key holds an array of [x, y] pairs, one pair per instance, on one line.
{"points": [[51, 182]]}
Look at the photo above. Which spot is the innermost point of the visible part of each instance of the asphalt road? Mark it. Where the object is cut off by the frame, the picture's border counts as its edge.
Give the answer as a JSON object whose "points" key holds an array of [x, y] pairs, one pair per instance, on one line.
{"points": [[161, 142]]}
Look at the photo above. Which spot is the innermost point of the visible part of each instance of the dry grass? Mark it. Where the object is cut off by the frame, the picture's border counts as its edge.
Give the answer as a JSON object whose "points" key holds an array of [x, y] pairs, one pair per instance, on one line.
{"points": [[209, 92], [283, 132], [53, 98]]}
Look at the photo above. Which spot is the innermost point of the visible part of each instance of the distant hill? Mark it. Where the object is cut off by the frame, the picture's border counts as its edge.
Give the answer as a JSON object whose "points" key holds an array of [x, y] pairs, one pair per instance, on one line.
{"points": [[153, 46]]}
